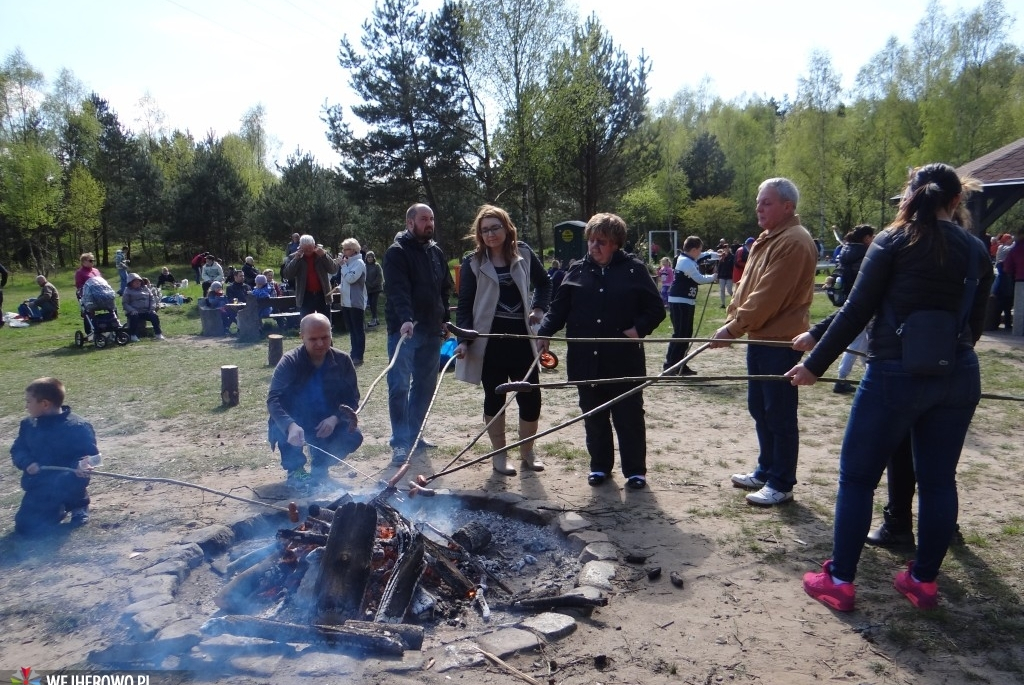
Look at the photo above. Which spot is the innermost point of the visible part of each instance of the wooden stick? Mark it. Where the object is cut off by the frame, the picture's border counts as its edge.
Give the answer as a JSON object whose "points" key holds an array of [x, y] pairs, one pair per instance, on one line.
{"points": [[169, 481], [493, 658]]}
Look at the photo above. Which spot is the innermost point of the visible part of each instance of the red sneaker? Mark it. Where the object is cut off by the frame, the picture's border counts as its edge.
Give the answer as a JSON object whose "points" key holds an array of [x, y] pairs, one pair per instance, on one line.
{"points": [[922, 595], [821, 587]]}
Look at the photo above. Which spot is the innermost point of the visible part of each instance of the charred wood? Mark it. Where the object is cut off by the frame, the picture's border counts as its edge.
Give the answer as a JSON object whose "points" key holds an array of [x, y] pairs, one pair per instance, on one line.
{"points": [[346, 563], [372, 642], [558, 601]]}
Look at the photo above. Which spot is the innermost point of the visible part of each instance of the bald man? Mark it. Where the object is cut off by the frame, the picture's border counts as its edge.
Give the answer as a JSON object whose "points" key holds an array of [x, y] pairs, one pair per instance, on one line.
{"points": [[312, 399]]}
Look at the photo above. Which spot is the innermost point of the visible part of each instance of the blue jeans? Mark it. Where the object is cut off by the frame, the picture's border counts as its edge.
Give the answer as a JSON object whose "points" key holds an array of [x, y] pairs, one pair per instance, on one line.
{"points": [[890, 404], [773, 406], [123, 274], [356, 333], [411, 382]]}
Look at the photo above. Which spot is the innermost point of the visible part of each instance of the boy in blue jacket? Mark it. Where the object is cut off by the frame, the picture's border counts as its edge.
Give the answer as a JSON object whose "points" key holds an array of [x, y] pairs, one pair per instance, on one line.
{"points": [[51, 436]]}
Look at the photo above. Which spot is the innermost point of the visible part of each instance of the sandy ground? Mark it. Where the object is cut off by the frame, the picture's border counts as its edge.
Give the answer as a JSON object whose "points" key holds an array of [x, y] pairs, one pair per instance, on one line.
{"points": [[742, 615]]}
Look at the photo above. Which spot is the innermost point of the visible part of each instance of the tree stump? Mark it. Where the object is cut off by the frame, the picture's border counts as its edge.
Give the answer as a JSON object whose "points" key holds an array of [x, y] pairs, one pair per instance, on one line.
{"points": [[275, 348], [229, 385]]}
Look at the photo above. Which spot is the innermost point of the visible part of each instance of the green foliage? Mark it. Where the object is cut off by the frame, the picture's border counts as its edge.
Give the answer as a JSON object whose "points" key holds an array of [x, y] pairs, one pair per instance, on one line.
{"points": [[707, 171], [595, 111], [712, 218]]}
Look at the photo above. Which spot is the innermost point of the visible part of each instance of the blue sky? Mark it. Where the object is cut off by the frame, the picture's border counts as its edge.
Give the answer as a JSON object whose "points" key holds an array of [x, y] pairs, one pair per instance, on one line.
{"points": [[206, 62]]}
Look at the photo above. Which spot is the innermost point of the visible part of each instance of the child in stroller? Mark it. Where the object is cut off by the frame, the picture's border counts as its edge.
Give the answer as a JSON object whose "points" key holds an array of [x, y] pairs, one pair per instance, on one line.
{"points": [[99, 314]]}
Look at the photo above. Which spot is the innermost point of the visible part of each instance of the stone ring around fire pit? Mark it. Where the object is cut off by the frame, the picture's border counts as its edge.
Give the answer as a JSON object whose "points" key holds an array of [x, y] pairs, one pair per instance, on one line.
{"points": [[174, 624]]}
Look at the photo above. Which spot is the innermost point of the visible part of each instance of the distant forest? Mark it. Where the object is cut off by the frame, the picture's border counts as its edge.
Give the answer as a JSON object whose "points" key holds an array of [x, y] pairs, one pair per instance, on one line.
{"points": [[512, 102]]}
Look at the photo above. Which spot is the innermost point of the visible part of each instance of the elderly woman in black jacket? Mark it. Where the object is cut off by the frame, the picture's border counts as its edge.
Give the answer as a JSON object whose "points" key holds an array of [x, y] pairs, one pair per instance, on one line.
{"points": [[923, 266], [609, 294]]}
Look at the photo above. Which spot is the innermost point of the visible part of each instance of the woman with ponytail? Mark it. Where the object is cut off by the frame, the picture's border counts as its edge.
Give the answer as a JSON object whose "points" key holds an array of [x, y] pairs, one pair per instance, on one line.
{"points": [[923, 264]]}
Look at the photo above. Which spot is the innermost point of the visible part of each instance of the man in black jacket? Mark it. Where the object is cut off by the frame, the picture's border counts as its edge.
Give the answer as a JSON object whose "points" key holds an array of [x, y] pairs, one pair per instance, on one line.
{"points": [[416, 287]]}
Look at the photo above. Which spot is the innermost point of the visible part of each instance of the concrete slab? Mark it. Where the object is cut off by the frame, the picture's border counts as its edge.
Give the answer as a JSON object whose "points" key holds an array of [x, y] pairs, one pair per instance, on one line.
{"points": [[146, 624], [508, 641], [599, 551], [597, 573], [212, 539], [551, 625], [581, 538], [570, 522], [151, 586]]}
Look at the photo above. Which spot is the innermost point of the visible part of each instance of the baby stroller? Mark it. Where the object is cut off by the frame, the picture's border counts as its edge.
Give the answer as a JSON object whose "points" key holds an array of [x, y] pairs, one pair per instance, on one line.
{"points": [[99, 312]]}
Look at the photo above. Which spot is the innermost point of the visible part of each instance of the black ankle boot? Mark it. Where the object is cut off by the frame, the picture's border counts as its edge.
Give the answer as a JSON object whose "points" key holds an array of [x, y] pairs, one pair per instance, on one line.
{"points": [[894, 532]]}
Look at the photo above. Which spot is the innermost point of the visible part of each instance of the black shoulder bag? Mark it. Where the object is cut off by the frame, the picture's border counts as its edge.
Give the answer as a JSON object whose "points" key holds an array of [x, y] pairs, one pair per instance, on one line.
{"points": [[930, 336]]}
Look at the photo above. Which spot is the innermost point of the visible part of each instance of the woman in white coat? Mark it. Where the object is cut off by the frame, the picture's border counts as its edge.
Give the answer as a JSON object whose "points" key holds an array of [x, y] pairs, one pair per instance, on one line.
{"points": [[494, 297], [352, 277]]}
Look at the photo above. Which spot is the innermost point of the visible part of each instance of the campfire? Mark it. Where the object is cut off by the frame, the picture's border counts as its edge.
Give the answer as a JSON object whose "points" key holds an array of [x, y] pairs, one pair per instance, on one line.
{"points": [[362, 576]]}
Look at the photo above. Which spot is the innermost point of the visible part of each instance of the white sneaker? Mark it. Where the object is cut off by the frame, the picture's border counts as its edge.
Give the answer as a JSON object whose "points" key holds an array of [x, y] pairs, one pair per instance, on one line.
{"points": [[746, 480], [160, 336], [134, 338], [768, 497]]}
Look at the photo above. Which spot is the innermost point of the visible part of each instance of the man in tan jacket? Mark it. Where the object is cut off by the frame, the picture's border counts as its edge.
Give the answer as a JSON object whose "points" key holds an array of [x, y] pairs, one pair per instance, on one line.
{"points": [[772, 303]]}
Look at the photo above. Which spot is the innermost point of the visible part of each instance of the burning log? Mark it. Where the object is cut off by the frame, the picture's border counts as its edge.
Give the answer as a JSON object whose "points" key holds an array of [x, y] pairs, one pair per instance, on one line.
{"points": [[447, 572], [247, 561], [303, 537], [237, 595], [558, 602], [401, 585], [411, 635], [346, 563], [377, 642]]}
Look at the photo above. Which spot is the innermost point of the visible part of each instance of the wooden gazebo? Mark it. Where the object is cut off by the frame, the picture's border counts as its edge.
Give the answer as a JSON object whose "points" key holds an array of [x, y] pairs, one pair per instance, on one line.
{"points": [[1002, 175]]}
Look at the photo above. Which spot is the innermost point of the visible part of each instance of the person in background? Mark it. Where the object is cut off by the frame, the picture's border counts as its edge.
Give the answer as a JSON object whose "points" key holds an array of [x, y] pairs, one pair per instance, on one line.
{"points": [[211, 271], [666, 277], [121, 263], [309, 269], [682, 304], [166, 279], [312, 399], [374, 286], [250, 272], [855, 246], [922, 262], [3, 282], [773, 303], [724, 270], [140, 305], [274, 286], [289, 250], [739, 262], [51, 435], [417, 285], [263, 293], [494, 297], [43, 306], [238, 290], [216, 299], [352, 271], [1004, 285], [197, 265], [85, 271], [555, 273], [1013, 269], [608, 294]]}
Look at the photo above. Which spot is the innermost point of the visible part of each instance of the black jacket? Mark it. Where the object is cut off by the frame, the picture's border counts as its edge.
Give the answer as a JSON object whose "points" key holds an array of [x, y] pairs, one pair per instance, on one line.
{"points": [[417, 284], [602, 302], [897, 278]]}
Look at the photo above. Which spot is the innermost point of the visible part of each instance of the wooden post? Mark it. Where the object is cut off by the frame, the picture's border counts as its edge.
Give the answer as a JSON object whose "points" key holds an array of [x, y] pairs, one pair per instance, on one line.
{"points": [[229, 385], [275, 348]]}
